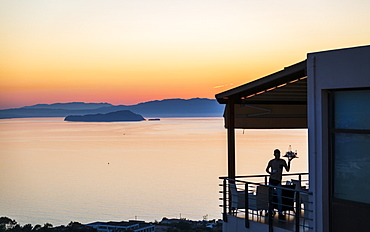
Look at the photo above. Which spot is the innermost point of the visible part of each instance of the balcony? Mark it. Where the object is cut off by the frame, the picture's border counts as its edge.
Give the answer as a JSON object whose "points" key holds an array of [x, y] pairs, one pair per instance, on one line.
{"points": [[258, 210]]}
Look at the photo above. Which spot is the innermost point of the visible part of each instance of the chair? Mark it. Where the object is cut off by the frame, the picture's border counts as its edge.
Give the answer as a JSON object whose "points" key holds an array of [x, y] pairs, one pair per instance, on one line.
{"points": [[262, 198], [288, 197], [258, 202], [237, 198], [303, 197]]}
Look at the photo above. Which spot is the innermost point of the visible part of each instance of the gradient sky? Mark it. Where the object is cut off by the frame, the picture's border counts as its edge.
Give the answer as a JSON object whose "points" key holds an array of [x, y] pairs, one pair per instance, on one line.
{"points": [[131, 51]]}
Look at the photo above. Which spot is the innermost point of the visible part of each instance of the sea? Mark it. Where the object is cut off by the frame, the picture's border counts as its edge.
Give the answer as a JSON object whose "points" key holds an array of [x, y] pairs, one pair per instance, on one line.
{"points": [[53, 171]]}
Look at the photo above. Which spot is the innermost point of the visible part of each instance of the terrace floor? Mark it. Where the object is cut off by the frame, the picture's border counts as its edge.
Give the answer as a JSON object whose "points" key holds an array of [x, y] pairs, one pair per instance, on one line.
{"points": [[288, 224]]}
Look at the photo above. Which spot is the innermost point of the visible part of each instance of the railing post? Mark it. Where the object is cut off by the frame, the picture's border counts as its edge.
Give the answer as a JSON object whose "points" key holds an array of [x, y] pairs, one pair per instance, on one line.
{"points": [[224, 201], [271, 229], [246, 205], [265, 180], [298, 211]]}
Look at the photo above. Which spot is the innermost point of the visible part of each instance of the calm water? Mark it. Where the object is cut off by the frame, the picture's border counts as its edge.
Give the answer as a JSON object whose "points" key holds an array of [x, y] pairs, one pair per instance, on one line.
{"points": [[55, 171]]}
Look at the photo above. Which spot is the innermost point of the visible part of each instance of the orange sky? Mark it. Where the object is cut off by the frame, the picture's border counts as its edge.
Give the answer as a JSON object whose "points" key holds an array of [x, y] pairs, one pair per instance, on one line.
{"points": [[126, 52]]}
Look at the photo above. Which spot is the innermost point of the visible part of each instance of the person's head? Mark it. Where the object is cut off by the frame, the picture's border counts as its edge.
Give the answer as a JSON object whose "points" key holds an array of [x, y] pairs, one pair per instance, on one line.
{"points": [[277, 153]]}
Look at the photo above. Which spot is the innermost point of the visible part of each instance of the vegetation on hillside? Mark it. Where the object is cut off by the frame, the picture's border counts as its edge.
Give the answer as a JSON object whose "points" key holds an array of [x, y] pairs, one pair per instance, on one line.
{"points": [[175, 225], [10, 225]]}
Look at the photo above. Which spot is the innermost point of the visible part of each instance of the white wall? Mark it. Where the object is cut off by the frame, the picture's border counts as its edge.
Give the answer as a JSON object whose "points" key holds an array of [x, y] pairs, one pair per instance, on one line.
{"points": [[343, 68]]}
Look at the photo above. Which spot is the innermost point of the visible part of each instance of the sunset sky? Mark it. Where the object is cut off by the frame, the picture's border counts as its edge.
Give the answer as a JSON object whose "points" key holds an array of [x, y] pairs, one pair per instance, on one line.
{"points": [[131, 51]]}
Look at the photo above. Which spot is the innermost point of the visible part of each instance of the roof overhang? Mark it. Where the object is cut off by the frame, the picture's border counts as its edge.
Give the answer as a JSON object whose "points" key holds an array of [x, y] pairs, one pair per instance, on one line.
{"points": [[276, 101]]}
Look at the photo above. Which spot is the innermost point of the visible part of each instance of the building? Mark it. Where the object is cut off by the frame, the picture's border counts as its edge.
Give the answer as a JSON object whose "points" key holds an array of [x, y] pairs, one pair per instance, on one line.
{"points": [[137, 226], [328, 93]]}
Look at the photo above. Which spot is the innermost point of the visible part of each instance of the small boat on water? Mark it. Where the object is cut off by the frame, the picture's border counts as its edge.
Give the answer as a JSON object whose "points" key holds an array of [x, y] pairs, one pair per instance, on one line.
{"points": [[154, 119]]}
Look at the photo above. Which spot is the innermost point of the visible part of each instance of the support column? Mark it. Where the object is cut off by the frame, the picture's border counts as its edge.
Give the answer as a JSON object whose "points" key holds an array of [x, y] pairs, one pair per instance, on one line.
{"points": [[230, 114]]}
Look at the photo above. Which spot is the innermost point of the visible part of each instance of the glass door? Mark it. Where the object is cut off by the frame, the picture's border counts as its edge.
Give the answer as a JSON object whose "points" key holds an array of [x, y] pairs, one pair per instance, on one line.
{"points": [[349, 160]]}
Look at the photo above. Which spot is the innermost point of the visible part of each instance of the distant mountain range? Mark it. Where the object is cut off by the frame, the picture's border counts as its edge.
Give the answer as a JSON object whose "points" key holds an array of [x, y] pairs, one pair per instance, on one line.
{"points": [[195, 107]]}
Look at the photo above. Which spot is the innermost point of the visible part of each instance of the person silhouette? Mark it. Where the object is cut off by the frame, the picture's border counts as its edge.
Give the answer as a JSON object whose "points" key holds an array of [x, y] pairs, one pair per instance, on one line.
{"points": [[275, 169]]}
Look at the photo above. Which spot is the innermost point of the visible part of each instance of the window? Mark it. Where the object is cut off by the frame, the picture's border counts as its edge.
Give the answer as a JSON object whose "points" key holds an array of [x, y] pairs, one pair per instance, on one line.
{"points": [[350, 139]]}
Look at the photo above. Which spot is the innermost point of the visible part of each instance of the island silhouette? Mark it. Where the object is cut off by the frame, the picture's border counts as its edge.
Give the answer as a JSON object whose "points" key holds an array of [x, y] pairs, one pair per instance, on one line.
{"points": [[118, 116]]}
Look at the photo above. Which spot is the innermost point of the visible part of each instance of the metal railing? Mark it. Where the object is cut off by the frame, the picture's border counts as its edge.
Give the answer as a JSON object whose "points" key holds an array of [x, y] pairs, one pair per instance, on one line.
{"points": [[287, 206]]}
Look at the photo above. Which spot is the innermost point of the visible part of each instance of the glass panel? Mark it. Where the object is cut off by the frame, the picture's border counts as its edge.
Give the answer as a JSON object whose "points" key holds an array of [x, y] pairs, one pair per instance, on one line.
{"points": [[352, 109], [352, 167]]}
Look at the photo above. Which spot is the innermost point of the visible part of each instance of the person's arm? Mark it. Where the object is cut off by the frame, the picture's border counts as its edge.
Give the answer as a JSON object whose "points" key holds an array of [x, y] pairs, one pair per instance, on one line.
{"points": [[287, 167], [268, 168]]}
